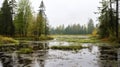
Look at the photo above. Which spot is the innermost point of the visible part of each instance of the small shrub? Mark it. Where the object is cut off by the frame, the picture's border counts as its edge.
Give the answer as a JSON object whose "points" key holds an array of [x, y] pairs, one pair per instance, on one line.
{"points": [[43, 37]]}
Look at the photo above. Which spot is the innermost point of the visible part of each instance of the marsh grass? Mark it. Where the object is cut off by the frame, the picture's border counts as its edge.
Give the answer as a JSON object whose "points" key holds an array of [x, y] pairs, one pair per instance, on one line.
{"points": [[81, 40], [7, 40], [34, 38], [25, 50], [24, 38], [70, 47]]}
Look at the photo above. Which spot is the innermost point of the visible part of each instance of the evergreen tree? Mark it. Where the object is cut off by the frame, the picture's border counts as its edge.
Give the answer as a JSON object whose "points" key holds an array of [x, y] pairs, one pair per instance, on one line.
{"points": [[117, 19], [41, 22], [1, 23], [107, 21], [90, 26], [8, 26], [72, 29]]}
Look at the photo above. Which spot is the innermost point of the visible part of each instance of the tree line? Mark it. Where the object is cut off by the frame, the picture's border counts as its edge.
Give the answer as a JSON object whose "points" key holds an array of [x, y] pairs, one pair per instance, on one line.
{"points": [[74, 29], [18, 19], [109, 19]]}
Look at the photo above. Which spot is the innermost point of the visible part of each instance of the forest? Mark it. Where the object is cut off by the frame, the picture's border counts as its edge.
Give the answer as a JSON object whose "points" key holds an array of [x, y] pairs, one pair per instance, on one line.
{"points": [[75, 29], [17, 19]]}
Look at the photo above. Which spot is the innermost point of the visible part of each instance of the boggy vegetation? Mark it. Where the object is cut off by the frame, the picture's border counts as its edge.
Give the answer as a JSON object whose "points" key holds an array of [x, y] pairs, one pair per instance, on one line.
{"points": [[7, 40], [86, 39], [70, 47], [25, 50]]}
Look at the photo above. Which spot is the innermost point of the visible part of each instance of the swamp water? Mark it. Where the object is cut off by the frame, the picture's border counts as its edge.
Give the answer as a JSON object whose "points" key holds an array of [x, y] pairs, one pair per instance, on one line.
{"points": [[93, 56]]}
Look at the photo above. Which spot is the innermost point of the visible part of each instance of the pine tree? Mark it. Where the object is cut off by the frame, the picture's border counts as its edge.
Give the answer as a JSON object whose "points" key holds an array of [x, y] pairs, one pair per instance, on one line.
{"points": [[8, 26]]}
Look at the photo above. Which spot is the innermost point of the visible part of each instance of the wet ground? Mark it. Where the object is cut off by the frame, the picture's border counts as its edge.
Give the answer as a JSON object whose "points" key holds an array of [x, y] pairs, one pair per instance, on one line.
{"points": [[96, 55]]}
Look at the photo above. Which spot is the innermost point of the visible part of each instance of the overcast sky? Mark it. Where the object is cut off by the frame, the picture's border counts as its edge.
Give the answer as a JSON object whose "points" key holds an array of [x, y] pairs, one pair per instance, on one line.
{"points": [[68, 11]]}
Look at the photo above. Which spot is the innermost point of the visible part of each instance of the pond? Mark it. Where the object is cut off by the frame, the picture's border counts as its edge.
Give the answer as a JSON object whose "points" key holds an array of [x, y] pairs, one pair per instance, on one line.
{"points": [[96, 55]]}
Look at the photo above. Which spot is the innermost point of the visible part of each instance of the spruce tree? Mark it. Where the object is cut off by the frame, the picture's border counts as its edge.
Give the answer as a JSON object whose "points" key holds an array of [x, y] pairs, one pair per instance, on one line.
{"points": [[90, 26], [1, 23], [41, 20], [107, 27], [8, 26]]}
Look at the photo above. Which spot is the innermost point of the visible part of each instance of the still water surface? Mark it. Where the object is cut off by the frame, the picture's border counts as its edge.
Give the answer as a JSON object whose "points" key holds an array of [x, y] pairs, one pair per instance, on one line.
{"points": [[94, 56]]}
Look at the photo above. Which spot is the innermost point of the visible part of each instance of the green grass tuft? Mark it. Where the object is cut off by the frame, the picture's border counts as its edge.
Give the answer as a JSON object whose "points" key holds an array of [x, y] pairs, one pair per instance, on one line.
{"points": [[71, 47], [7, 40], [25, 51]]}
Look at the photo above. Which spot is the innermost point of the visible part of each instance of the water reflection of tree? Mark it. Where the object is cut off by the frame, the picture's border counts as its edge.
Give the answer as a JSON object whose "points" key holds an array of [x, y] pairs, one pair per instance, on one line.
{"points": [[90, 48], [7, 61], [109, 56], [41, 57], [26, 60]]}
